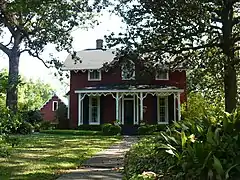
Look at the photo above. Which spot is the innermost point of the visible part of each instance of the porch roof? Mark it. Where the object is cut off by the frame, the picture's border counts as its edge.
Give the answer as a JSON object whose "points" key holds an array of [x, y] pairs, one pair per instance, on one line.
{"points": [[129, 88]]}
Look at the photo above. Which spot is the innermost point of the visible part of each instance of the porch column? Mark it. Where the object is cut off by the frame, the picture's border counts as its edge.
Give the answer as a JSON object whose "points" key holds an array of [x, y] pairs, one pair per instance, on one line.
{"points": [[137, 121], [80, 122], [141, 106], [174, 107], [117, 106], [179, 107]]}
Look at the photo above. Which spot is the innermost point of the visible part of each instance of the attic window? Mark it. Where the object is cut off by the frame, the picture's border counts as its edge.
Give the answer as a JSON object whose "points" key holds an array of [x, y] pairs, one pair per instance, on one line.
{"points": [[94, 75], [54, 105], [128, 70], [162, 75]]}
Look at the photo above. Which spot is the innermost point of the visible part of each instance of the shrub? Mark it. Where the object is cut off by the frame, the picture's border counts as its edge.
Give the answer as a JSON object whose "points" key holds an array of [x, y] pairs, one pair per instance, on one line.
{"points": [[25, 128], [61, 116], [46, 125], [32, 116], [146, 129], [110, 129], [191, 149], [37, 127], [11, 140], [90, 127], [150, 129]]}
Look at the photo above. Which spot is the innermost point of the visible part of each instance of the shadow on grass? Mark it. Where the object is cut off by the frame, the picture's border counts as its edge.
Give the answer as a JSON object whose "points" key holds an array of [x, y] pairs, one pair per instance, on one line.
{"points": [[45, 156]]}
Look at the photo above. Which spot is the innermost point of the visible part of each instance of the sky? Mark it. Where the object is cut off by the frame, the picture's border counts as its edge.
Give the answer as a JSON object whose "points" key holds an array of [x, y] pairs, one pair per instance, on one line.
{"points": [[82, 39]]}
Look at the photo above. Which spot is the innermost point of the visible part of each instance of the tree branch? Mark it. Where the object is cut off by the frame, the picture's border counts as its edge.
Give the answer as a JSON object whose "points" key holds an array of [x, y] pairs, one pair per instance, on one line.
{"points": [[4, 49], [36, 55]]}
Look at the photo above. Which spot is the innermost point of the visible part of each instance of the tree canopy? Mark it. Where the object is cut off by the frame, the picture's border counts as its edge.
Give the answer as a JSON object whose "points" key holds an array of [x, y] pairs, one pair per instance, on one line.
{"points": [[196, 33], [33, 24]]}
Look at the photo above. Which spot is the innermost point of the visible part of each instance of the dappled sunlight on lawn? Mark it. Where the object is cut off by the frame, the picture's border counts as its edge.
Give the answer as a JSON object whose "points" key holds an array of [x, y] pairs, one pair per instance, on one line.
{"points": [[45, 156]]}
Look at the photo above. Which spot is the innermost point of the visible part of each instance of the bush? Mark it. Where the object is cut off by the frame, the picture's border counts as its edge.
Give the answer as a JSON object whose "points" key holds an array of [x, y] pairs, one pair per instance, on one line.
{"points": [[32, 116], [146, 129], [150, 129], [190, 149], [46, 125], [110, 129], [90, 127], [25, 128]]}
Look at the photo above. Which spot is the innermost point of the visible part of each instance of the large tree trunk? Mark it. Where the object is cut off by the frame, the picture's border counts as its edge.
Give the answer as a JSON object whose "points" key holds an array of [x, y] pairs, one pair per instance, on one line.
{"points": [[12, 96], [230, 88]]}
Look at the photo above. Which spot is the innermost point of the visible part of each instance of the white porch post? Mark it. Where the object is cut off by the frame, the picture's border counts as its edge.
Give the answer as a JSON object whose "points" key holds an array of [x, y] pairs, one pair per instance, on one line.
{"points": [[137, 121], [174, 107], [179, 107], [141, 106], [117, 106], [80, 122]]}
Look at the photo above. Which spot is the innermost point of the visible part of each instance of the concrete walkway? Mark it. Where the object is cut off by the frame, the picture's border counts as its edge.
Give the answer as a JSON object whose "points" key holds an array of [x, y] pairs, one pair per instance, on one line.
{"points": [[104, 164]]}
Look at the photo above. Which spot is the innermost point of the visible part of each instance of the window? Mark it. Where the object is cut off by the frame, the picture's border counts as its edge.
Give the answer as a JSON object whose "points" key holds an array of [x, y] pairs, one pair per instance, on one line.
{"points": [[161, 75], [162, 110], [94, 110], [94, 75], [128, 70], [54, 105]]}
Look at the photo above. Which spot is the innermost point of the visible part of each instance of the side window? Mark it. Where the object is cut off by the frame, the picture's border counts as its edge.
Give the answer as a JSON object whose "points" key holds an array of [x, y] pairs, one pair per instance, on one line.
{"points": [[128, 70], [94, 75], [54, 105], [162, 75]]}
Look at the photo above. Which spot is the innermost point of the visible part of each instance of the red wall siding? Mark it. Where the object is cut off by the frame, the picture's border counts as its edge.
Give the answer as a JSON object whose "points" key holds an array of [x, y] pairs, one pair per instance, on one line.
{"points": [[108, 110], [148, 114], [80, 80], [46, 110]]}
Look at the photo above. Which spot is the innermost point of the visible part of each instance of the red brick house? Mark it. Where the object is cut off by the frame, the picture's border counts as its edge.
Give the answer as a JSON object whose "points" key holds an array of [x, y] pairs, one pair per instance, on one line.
{"points": [[48, 110], [103, 95]]}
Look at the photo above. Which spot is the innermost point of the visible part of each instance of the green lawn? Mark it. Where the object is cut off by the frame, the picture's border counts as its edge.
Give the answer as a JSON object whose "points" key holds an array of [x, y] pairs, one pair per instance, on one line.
{"points": [[46, 156]]}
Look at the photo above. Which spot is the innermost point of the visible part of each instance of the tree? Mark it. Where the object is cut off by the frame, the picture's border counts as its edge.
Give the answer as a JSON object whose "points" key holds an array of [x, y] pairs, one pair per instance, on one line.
{"points": [[32, 24], [197, 32], [33, 94]]}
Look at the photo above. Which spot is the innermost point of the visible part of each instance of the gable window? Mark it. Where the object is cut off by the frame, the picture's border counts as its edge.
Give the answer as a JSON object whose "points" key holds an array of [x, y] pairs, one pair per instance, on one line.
{"points": [[94, 110], [94, 75], [54, 105], [162, 75], [128, 70], [162, 105]]}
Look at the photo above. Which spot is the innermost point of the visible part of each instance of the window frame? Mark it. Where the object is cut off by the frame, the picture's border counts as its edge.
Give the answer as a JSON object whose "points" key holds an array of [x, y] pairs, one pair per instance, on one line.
{"points": [[166, 110], [134, 71], [157, 73], [91, 71], [53, 105], [90, 110]]}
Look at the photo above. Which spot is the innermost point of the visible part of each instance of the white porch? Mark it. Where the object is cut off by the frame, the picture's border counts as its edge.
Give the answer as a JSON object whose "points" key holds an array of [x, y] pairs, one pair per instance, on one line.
{"points": [[134, 97]]}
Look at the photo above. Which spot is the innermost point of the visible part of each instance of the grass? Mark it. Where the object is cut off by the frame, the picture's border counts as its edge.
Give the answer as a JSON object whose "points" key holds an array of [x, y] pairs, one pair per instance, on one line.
{"points": [[46, 156]]}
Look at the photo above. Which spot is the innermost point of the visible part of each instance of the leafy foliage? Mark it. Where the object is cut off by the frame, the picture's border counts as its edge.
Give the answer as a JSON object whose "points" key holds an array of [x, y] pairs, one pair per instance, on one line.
{"points": [[199, 148], [61, 116], [199, 34], [33, 24], [110, 129]]}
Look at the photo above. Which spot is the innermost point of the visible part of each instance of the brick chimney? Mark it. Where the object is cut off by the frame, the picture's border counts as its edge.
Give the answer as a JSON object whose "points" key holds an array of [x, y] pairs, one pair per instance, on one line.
{"points": [[99, 44]]}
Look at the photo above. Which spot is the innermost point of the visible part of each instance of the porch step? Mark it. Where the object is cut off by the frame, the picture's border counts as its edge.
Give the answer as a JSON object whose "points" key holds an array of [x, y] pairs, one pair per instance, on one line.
{"points": [[129, 129]]}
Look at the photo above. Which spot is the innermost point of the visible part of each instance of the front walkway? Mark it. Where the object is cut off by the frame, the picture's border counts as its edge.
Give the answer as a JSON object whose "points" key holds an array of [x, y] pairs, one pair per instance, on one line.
{"points": [[103, 164]]}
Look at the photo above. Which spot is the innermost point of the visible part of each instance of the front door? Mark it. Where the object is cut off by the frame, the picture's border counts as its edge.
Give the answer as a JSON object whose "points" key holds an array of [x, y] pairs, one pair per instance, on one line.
{"points": [[128, 112]]}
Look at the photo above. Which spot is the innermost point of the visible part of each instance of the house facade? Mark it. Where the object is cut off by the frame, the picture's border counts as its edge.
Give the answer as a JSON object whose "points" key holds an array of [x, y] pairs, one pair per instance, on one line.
{"points": [[49, 109], [122, 93]]}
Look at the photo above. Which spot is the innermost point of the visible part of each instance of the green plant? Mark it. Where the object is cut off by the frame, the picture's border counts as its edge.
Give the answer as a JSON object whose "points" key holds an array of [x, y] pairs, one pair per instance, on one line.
{"points": [[46, 125], [146, 129], [110, 129], [90, 127], [199, 148], [25, 128], [11, 140]]}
